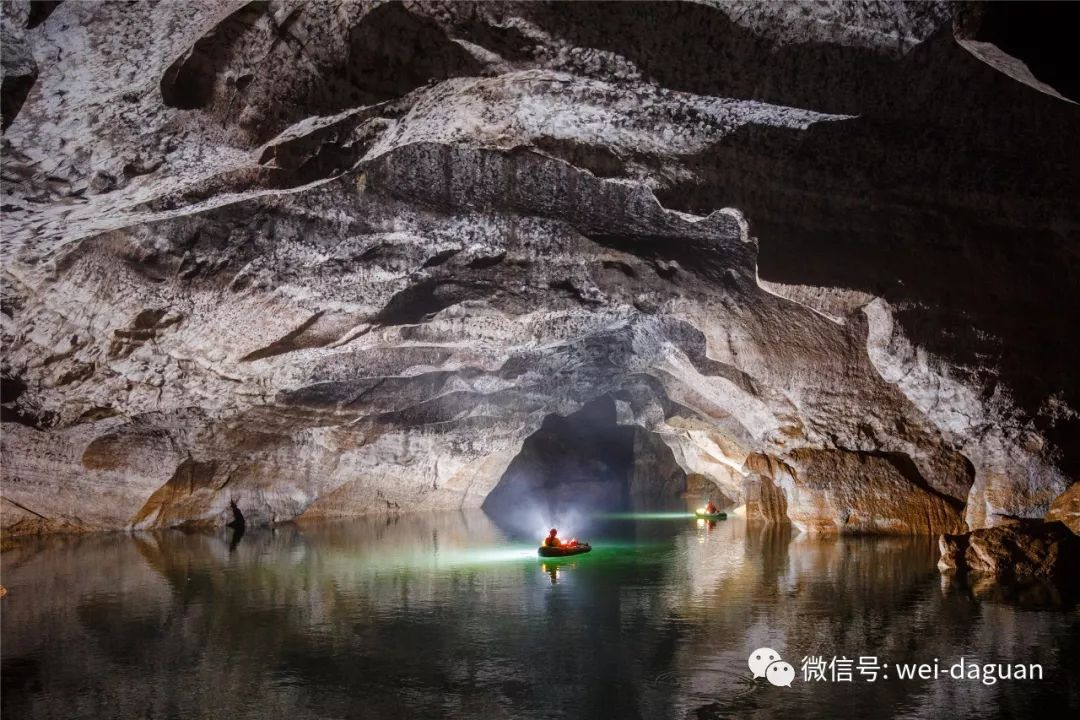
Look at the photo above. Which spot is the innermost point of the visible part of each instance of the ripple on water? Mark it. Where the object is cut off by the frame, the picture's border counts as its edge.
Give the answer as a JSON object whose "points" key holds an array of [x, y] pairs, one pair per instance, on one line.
{"points": [[444, 615]]}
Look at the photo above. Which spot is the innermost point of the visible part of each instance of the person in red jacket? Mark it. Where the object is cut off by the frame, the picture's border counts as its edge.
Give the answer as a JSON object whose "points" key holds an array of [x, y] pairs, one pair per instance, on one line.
{"points": [[711, 508], [552, 540]]}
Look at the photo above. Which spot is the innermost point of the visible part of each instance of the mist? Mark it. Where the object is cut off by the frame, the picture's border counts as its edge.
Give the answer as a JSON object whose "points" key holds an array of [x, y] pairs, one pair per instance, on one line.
{"points": [[569, 473]]}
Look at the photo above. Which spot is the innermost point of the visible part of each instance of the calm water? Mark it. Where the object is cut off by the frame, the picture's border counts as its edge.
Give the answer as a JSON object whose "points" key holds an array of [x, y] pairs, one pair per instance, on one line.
{"points": [[445, 616]]}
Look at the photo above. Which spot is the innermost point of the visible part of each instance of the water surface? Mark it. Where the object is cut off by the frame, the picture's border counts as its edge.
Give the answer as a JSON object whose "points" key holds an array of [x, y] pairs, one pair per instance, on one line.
{"points": [[445, 615]]}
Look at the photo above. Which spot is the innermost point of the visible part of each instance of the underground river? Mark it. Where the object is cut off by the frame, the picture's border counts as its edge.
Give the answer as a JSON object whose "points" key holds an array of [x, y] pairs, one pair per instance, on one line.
{"points": [[449, 615]]}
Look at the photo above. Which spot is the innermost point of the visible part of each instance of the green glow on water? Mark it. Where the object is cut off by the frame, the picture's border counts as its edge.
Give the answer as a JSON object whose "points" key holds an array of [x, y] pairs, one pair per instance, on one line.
{"points": [[484, 556], [622, 540], [604, 551], [646, 516]]}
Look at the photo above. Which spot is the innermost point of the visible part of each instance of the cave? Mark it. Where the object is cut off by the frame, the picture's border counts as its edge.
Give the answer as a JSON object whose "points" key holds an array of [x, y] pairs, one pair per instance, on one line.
{"points": [[315, 316], [587, 463]]}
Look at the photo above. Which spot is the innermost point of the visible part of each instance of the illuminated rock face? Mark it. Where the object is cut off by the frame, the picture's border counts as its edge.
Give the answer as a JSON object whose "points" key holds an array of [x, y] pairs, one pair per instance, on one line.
{"points": [[324, 261]]}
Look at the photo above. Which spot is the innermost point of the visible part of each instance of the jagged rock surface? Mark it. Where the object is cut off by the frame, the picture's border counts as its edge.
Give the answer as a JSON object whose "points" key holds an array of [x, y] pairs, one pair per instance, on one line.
{"points": [[1066, 508], [1030, 549], [323, 260]]}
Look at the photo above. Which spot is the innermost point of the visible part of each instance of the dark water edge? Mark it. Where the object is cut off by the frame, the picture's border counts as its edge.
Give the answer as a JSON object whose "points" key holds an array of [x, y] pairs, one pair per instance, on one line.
{"points": [[444, 615]]}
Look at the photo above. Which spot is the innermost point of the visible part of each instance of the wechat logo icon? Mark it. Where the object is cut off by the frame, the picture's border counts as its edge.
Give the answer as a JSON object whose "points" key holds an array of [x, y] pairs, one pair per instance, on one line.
{"points": [[766, 663]]}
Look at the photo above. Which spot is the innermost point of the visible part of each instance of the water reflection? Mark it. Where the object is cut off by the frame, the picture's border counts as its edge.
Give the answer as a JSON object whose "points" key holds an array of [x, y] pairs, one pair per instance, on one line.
{"points": [[236, 536], [441, 614]]}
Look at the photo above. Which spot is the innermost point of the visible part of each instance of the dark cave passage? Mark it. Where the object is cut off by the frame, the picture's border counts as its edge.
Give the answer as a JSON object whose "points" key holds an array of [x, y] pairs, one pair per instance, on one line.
{"points": [[586, 463]]}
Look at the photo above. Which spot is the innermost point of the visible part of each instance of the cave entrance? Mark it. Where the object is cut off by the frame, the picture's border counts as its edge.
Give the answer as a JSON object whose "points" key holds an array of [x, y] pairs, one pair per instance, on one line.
{"points": [[585, 463]]}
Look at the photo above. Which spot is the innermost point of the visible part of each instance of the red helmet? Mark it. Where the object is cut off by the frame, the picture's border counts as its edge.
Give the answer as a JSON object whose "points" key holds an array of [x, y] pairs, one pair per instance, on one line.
{"points": [[553, 531]]}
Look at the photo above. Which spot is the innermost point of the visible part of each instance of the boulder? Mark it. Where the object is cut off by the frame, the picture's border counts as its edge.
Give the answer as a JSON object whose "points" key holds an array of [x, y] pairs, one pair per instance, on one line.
{"points": [[952, 549], [1015, 551]]}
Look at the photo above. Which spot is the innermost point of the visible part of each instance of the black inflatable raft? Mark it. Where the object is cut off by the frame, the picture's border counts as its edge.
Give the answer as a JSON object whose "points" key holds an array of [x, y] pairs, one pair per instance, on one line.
{"points": [[578, 549]]}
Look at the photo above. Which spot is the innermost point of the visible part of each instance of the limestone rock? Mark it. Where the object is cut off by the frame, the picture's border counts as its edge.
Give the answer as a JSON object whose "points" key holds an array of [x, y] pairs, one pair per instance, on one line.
{"points": [[1066, 508], [322, 260], [765, 502], [831, 492], [18, 70], [1018, 550], [952, 549]]}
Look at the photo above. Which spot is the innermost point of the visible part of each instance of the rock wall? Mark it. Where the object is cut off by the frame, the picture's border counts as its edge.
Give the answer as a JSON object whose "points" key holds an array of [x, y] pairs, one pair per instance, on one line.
{"points": [[324, 260]]}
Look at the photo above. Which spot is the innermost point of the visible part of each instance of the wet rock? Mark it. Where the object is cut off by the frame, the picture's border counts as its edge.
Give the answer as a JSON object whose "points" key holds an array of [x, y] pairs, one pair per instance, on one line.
{"points": [[850, 493], [765, 502], [1017, 550], [765, 499], [952, 549]]}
